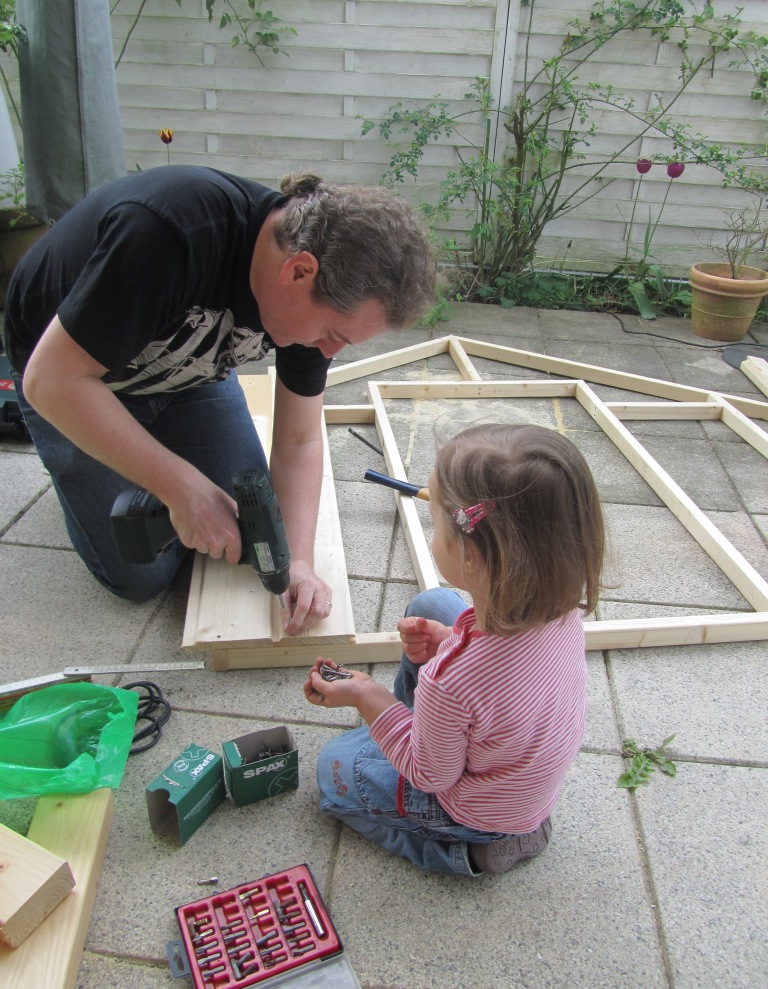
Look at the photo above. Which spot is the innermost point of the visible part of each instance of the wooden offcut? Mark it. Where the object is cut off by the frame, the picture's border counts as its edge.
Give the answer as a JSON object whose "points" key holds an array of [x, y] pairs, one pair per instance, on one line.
{"points": [[33, 881], [76, 828], [756, 369], [228, 619]]}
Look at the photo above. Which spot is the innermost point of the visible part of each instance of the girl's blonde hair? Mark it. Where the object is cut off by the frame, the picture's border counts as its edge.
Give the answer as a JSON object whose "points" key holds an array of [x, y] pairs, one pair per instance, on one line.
{"points": [[543, 539]]}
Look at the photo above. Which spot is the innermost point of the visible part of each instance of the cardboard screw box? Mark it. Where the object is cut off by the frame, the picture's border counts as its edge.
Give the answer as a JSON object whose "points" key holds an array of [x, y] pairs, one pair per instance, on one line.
{"points": [[186, 793], [252, 776]]}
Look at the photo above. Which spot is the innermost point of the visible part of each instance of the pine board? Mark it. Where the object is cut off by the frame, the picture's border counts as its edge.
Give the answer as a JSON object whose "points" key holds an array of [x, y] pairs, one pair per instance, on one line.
{"points": [[76, 828]]}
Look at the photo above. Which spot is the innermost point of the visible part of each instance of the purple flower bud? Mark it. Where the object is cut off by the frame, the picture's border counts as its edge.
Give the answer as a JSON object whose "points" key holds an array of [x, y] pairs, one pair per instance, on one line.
{"points": [[643, 165], [675, 169]]}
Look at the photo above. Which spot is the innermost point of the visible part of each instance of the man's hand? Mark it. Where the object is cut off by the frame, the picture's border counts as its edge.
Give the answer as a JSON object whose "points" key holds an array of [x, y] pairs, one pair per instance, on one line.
{"points": [[309, 599], [205, 519], [421, 637]]}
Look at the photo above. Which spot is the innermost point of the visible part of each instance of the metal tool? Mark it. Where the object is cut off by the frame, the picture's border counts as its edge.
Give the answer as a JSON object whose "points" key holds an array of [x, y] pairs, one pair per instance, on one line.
{"points": [[362, 439], [310, 907], [402, 486], [143, 530], [11, 691]]}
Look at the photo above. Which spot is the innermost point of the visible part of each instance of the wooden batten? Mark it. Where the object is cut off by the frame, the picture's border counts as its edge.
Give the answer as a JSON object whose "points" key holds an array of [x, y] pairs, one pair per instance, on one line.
{"points": [[756, 369], [75, 828]]}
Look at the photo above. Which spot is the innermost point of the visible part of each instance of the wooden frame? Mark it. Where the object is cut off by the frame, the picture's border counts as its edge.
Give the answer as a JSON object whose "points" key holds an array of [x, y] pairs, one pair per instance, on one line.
{"points": [[219, 615]]}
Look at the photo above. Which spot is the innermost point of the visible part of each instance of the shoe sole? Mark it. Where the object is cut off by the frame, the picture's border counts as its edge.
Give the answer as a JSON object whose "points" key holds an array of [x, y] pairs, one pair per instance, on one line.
{"points": [[502, 855]]}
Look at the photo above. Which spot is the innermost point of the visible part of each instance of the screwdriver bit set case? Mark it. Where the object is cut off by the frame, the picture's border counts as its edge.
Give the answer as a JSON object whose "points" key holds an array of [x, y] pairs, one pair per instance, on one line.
{"points": [[271, 932]]}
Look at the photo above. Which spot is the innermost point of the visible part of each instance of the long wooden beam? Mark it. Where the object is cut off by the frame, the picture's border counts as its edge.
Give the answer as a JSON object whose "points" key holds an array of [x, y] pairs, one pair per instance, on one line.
{"points": [[656, 387]]}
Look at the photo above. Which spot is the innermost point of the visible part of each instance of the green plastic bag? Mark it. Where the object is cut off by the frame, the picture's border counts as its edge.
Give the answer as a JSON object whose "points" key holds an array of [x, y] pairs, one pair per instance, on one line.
{"points": [[69, 738]]}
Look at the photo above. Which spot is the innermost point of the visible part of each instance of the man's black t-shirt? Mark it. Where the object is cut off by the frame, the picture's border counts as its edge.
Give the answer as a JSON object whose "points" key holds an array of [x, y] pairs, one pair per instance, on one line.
{"points": [[150, 276]]}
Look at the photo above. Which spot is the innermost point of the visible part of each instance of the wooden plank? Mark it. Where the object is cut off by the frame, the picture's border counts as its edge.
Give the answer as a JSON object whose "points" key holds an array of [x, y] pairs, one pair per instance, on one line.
{"points": [[756, 369], [461, 360], [384, 362], [33, 881], [742, 426], [635, 634], [642, 633], [228, 606], [665, 410], [76, 828], [373, 647], [247, 648], [348, 415], [476, 389], [426, 575], [606, 376]]}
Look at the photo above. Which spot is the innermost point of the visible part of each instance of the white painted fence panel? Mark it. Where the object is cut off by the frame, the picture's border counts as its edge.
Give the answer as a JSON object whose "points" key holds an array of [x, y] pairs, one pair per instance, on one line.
{"points": [[355, 58]]}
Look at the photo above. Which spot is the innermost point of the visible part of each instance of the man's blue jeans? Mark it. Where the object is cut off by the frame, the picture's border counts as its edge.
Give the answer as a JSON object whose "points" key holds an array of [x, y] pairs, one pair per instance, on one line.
{"points": [[209, 426], [359, 786]]}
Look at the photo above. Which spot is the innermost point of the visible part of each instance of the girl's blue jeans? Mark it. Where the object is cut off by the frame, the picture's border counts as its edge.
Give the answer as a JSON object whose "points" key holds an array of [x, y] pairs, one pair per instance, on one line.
{"points": [[209, 426], [359, 786]]}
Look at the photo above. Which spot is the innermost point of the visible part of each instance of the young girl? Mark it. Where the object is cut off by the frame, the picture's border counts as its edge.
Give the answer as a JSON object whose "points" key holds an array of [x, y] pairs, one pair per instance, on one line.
{"points": [[461, 775]]}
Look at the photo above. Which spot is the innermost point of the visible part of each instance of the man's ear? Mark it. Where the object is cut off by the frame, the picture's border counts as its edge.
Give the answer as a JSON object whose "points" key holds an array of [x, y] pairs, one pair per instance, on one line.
{"points": [[297, 267]]}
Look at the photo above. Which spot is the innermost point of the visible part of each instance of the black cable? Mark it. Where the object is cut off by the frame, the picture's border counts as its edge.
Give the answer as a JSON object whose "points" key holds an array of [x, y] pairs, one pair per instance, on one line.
{"points": [[683, 343], [149, 705]]}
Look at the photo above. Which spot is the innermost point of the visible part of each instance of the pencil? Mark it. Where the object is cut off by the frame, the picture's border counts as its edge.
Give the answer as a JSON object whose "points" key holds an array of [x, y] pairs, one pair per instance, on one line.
{"points": [[367, 442]]}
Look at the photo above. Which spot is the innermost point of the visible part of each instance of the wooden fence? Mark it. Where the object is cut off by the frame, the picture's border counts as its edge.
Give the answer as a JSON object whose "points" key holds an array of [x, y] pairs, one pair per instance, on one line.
{"points": [[353, 59]]}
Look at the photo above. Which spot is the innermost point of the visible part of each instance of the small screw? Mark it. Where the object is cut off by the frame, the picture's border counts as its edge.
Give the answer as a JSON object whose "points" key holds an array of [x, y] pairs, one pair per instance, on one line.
{"points": [[208, 882]]}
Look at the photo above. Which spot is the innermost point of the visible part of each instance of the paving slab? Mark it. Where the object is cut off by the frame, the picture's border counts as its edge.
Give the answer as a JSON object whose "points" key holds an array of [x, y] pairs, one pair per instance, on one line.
{"points": [[653, 558], [578, 917], [705, 839], [56, 615], [22, 482], [42, 524], [711, 697], [705, 367], [237, 844]]}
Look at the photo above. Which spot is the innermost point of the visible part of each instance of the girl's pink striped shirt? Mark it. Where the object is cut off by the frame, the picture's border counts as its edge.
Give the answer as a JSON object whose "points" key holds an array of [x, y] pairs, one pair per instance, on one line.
{"points": [[496, 724]]}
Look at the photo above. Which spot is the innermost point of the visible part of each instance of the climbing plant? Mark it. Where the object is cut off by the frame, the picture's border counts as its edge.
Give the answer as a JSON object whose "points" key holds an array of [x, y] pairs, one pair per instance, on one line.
{"points": [[545, 173]]}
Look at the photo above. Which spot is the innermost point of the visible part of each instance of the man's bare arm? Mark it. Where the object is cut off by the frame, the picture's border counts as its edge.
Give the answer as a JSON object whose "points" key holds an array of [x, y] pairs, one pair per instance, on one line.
{"points": [[63, 383]]}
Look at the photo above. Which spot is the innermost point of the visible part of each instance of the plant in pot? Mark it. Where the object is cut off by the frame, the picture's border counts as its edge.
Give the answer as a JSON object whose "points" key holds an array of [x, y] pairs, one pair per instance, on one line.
{"points": [[725, 295]]}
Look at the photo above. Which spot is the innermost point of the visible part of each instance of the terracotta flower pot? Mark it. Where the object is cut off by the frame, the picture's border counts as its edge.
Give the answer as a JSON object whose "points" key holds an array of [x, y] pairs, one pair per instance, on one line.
{"points": [[722, 307]]}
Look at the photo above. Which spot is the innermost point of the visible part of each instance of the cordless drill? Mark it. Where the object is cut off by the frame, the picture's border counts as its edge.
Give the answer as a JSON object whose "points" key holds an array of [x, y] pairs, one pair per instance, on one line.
{"points": [[143, 530]]}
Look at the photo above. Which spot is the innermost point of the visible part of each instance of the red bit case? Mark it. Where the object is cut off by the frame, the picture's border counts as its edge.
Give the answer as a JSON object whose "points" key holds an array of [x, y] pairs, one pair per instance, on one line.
{"points": [[255, 932]]}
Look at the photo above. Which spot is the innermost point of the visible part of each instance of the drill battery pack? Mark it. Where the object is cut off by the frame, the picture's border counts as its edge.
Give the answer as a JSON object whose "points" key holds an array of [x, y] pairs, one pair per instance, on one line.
{"points": [[271, 932]]}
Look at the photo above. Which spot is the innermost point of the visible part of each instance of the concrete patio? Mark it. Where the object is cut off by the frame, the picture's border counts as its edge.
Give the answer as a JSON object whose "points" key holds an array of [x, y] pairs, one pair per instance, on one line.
{"points": [[664, 887]]}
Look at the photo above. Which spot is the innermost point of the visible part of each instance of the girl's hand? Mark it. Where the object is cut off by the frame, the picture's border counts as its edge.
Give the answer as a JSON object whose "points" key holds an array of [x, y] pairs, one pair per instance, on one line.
{"points": [[421, 637], [334, 693]]}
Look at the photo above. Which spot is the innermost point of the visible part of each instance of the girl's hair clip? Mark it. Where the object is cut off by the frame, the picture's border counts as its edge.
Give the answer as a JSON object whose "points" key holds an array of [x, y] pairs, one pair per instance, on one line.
{"points": [[467, 518]]}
